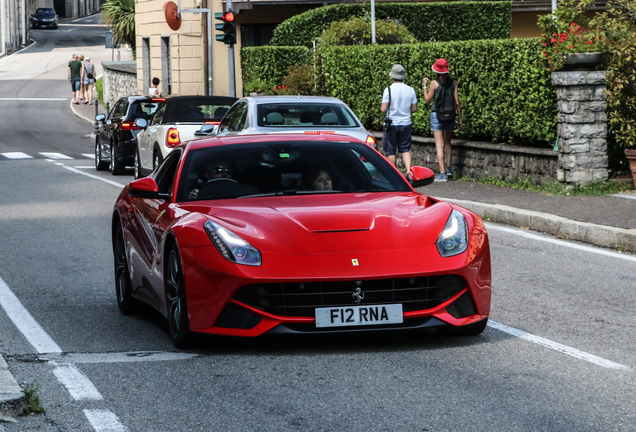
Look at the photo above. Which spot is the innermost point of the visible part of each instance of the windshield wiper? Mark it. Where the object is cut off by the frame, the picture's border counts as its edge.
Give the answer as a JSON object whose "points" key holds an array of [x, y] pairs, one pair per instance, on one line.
{"points": [[289, 192]]}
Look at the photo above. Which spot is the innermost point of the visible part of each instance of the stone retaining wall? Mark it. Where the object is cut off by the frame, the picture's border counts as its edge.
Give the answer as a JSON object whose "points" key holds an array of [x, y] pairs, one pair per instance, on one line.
{"points": [[482, 159], [120, 79]]}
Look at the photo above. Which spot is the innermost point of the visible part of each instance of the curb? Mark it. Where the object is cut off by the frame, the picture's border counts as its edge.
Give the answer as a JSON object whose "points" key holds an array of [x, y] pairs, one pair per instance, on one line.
{"points": [[12, 401], [77, 114], [599, 235]]}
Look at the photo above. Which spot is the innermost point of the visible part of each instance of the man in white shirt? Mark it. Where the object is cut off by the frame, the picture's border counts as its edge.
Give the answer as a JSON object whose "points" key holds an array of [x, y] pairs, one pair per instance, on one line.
{"points": [[398, 104]]}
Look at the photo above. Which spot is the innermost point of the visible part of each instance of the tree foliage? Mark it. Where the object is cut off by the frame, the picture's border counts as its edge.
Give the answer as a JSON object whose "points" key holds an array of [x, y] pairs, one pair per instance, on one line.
{"points": [[120, 15], [357, 31]]}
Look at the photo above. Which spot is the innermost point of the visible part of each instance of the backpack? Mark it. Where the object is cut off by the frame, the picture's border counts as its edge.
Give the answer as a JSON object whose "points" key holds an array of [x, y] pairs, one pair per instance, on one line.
{"points": [[445, 102], [89, 74]]}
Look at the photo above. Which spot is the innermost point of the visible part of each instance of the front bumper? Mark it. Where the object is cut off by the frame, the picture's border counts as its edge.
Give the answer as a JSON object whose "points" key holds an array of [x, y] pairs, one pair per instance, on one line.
{"points": [[216, 306]]}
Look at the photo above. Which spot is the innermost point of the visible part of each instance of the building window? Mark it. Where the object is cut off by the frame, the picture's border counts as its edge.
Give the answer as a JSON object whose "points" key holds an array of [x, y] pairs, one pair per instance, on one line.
{"points": [[166, 67], [256, 34], [145, 52]]}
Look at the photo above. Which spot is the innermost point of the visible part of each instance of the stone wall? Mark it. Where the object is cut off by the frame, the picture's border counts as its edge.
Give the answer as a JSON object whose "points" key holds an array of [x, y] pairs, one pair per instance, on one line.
{"points": [[482, 159], [582, 128], [120, 79]]}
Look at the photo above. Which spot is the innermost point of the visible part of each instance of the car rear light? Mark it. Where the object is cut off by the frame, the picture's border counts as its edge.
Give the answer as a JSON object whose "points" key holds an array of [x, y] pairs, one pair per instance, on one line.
{"points": [[319, 132], [173, 139], [370, 140], [158, 99], [129, 126]]}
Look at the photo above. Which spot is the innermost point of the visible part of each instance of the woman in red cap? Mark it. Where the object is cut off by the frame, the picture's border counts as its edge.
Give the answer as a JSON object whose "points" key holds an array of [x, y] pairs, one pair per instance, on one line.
{"points": [[444, 91]]}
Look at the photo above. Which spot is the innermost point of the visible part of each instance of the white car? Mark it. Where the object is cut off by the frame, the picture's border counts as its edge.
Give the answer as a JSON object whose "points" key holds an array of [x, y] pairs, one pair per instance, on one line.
{"points": [[175, 121], [284, 114]]}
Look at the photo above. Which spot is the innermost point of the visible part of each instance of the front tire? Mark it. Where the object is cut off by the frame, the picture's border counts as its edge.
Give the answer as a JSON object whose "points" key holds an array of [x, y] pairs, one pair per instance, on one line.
{"points": [[177, 305], [123, 286], [100, 165]]}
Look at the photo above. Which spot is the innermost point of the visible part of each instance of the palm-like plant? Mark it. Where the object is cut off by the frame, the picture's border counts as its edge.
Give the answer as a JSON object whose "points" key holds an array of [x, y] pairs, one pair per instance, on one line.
{"points": [[120, 15]]}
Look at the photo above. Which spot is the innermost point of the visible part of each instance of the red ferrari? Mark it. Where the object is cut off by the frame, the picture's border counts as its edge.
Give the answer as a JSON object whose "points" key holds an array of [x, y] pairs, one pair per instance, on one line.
{"points": [[293, 233]]}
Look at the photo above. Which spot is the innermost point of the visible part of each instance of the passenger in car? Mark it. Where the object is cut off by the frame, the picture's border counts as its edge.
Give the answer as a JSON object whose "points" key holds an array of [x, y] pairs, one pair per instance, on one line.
{"points": [[318, 179]]}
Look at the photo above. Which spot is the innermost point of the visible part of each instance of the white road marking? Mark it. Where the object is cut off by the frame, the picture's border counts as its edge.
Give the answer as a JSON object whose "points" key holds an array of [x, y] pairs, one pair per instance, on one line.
{"points": [[31, 99], [84, 166], [80, 387], [16, 155], [104, 421], [558, 347], [110, 182], [124, 357], [55, 155], [89, 155], [529, 235], [24, 321], [624, 196]]}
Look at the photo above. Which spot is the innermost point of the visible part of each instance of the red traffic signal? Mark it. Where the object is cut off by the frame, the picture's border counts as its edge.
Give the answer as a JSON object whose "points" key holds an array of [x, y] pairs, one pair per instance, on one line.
{"points": [[228, 16], [228, 28]]}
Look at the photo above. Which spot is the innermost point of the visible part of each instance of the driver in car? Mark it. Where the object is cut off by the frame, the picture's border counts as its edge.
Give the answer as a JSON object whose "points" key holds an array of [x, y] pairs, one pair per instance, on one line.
{"points": [[213, 171]]}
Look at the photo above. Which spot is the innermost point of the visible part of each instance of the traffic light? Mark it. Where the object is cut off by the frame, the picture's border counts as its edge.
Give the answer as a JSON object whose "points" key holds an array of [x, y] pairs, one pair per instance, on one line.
{"points": [[228, 27]]}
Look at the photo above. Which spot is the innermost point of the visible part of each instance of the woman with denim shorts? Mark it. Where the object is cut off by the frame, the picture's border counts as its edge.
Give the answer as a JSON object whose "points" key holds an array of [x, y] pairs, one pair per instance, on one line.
{"points": [[442, 130]]}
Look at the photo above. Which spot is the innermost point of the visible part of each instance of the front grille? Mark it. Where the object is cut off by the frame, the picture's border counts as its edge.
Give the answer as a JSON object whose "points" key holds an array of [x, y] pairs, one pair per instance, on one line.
{"points": [[300, 299]]}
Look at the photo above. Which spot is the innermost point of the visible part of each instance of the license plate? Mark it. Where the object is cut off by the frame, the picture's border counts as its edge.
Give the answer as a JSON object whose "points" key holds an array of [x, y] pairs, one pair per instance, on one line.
{"points": [[346, 316]]}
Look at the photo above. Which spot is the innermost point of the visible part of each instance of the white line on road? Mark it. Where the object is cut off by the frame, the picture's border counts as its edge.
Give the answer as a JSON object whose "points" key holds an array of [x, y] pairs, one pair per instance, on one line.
{"points": [[16, 155], [561, 242], [84, 166], [24, 321], [110, 182], [80, 387], [89, 155], [104, 421], [31, 99], [55, 155], [558, 347], [124, 357]]}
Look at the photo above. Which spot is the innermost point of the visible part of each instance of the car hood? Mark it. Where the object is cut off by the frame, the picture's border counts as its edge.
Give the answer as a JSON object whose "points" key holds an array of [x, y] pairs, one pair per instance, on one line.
{"points": [[331, 223]]}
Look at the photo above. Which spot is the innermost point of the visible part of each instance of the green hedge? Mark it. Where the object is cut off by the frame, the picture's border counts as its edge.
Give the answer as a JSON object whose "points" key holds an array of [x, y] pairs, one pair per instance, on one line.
{"points": [[506, 95], [427, 21], [270, 63]]}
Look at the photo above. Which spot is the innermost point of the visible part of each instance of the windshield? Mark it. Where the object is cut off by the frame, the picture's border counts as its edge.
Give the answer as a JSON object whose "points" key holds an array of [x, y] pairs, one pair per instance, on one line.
{"points": [[287, 168], [48, 12], [303, 115]]}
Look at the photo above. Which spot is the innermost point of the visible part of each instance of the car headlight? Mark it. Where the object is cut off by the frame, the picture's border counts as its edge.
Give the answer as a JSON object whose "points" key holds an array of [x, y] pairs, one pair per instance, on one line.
{"points": [[36, 19], [231, 246], [454, 237]]}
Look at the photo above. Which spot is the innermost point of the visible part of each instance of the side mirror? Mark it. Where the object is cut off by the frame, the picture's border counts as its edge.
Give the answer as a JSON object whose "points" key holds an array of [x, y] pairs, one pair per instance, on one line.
{"points": [[420, 176], [206, 130], [146, 188], [100, 117], [141, 123]]}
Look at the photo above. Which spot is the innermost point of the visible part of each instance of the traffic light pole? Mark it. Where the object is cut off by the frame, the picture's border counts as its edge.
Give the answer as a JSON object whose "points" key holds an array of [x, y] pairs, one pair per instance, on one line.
{"points": [[230, 58]]}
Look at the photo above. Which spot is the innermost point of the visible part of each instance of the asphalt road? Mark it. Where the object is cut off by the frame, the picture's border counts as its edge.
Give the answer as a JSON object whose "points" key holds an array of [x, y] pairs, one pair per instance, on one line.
{"points": [[559, 355]]}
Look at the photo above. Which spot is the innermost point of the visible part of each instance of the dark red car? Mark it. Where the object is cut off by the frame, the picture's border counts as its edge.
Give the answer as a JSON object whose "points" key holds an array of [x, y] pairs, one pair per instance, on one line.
{"points": [[248, 235]]}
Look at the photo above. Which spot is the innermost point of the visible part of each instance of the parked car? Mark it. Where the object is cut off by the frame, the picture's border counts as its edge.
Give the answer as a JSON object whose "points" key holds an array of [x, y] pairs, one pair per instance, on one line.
{"points": [[175, 121], [115, 144], [288, 233], [44, 18], [285, 114]]}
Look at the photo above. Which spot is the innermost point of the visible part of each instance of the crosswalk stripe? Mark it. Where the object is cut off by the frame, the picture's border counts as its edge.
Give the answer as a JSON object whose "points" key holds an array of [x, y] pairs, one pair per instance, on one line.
{"points": [[16, 155], [55, 155], [89, 155]]}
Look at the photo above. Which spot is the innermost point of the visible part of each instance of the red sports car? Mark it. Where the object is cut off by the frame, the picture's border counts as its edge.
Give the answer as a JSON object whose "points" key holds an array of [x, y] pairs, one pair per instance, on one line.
{"points": [[248, 235]]}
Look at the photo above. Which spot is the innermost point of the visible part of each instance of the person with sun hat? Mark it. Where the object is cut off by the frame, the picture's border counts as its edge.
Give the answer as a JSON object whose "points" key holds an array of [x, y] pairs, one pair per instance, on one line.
{"points": [[443, 91]]}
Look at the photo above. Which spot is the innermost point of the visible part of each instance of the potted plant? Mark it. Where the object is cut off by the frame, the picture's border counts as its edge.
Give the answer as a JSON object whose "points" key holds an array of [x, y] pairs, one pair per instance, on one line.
{"points": [[570, 40]]}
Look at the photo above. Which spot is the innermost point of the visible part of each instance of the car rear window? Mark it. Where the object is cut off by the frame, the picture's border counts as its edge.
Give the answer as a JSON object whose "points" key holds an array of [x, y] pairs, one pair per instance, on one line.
{"points": [[197, 110], [303, 115], [143, 109]]}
